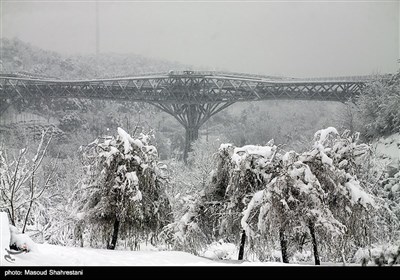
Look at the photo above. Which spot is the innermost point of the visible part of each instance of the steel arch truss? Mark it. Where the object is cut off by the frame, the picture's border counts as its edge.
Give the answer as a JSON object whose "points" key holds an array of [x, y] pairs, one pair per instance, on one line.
{"points": [[190, 97], [182, 89]]}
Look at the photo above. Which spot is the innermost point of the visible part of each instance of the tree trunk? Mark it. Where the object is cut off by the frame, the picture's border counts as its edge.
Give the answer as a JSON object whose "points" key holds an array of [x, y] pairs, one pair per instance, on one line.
{"points": [[113, 243], [241, 248], [27, 215], [283, 241], [314, 243], [30, 203], [192, 134]]}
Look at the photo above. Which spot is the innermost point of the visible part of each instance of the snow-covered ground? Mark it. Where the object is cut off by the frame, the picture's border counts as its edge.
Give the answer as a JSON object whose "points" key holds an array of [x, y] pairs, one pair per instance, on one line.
{"points": [[52, 255]]}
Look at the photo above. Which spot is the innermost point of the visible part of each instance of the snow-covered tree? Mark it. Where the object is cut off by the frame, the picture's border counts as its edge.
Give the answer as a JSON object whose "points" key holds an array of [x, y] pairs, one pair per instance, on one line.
{"points": [[252, 168], [320, 197], [25, 182], [124, 195], [194, 217], [293, 202], [215, 212], [339, 162], [378, 108], [380, 255]]}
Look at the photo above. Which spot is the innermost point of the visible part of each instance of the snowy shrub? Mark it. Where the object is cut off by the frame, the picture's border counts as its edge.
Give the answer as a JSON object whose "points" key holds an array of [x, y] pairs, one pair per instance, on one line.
{"points": [[195, 211], [320, 199], [123, 196], [27, 182], [338, 162], [302, 256], [250, 169], [388, 254], [287, 198], [220, 250], [292, 200], [21, 241], [378, 108], [191, 231]]}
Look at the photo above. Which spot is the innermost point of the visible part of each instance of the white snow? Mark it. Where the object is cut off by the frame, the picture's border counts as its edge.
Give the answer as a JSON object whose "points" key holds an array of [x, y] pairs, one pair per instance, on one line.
{"points": [[256, 200], [224, 146], [53, 255], [5, 234], [128, 140], [240, 153], [321, 135], [357, 194], [324, 158], [22, 240], [388, 150], [132, 178], [109, 155], [138, 196], [289, 157], [151, 150], [221, 251], [80, 215]]}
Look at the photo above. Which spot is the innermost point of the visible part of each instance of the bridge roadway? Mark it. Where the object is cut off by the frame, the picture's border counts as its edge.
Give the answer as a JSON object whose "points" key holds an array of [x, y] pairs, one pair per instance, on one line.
{"points": [[191, 97]]}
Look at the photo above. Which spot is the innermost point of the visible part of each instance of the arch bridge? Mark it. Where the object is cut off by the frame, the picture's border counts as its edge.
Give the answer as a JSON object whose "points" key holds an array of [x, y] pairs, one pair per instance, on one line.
{"points": [[191, 97]]}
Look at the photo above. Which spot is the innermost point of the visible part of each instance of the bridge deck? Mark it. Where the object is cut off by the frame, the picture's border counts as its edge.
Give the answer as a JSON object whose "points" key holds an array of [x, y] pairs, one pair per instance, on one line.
{"points": [[185, 87]]}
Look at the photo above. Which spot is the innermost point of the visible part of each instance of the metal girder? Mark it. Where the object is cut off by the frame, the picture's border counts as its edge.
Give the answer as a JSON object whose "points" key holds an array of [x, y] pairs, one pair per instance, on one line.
{"points": [[190, 97], [183, 88], [192, 117]]}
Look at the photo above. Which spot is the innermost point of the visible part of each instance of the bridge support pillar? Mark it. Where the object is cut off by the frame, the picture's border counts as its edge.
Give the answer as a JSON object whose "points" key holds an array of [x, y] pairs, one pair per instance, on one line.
{"points": [[192, 117], [192, 134]]}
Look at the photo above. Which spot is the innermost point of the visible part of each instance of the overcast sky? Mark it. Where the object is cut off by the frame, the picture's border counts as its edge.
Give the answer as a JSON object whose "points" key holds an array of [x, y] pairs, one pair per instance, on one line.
{"points": [[298, 39]]}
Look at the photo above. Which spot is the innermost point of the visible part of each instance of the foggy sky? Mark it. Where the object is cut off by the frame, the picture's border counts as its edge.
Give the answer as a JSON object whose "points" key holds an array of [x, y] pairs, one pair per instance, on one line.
{"points": [[298, 39]]}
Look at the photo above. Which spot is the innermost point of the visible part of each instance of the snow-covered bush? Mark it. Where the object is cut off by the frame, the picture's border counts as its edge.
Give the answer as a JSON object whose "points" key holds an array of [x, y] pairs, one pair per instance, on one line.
{"points": [[123, 196], [387, 254], [220, 250], [320, 199], [288, 198], [27, 181], [191, 231], [292, 201], [21, 241], [251, 168], [378, 108], [302, 256], [195, 214]]}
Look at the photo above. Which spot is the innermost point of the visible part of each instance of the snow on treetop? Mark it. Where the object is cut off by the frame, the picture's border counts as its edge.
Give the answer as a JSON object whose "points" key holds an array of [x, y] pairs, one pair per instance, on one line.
{"points": [[264, 151], [80, 215], [151, 150], [128, 140], [321, 135], [224, 146], [240, 153], [132, 178], [289, 157], [357, 194], [256, 200]]}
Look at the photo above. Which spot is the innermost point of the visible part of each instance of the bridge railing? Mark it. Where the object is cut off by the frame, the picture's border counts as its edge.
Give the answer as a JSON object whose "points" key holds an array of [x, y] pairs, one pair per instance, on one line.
{"points": [[217, 74]]}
